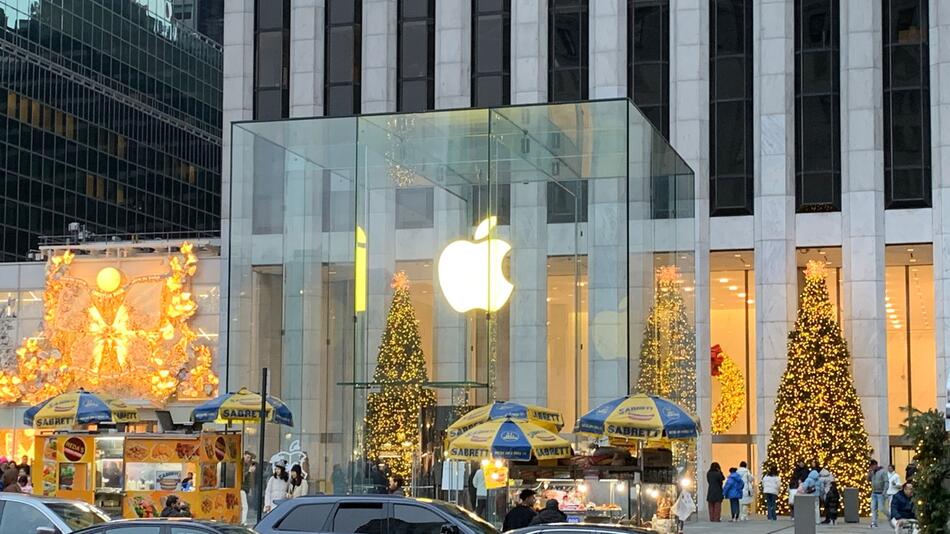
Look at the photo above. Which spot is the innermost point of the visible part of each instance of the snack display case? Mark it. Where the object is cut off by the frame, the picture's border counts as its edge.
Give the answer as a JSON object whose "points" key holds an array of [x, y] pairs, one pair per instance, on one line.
{"points": [[131, 475]]}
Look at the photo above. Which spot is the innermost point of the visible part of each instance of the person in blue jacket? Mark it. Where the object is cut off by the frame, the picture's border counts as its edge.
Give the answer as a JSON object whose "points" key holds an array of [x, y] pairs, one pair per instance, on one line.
{"points": [[733, 491], [902, 505]]}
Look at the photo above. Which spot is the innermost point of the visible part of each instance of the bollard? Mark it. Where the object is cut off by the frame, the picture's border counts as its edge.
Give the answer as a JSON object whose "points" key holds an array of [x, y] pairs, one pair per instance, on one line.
{"points": [[805, 514], [852, 505]]}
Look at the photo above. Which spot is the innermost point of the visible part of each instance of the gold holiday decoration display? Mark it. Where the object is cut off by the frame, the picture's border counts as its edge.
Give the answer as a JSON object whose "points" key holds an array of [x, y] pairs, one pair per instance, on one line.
{"points": [[731, 390], [92, 337]]}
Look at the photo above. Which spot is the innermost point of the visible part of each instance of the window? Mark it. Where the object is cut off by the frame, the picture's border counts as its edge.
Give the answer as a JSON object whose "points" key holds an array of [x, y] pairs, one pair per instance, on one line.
{"points": [[415, 520], [344, 36], [817, 107], [491, 52], [415, 72], [272, 59], [567, 202], [364, 518], [648, 63], [268, 188], [77, 515], [20, 517], [492, 200], [906, 104], [146, 530], [730, 107], [567, 50], [306, 517], [414, 208]]}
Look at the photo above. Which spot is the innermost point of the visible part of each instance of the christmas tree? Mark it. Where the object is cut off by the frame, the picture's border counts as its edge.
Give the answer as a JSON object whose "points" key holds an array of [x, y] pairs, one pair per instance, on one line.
{"points": [[392, 414], [668, 354], [818, 413]]}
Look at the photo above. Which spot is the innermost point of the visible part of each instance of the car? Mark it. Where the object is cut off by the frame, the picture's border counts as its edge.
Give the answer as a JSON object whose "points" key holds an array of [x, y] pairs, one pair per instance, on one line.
{"points": [[171, 525], [33, 514], [371, 514], [580, 528]]}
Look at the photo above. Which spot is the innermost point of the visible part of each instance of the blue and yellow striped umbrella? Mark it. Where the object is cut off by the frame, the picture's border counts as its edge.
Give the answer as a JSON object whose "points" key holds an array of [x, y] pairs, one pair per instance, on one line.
{"points": [[78, 408], [508, 440], [639, 417], [242, 406]]}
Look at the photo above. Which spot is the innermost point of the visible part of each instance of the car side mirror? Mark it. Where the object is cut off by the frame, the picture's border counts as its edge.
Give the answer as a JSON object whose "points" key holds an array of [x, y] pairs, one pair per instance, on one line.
{"points": [[449, 529], [46, 530]]}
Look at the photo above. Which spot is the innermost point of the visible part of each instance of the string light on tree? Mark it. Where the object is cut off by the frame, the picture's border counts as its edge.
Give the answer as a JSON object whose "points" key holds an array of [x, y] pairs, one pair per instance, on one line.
{"points": [[731, 390], [392, 414], [928, 433], [668, 353], [818, 413]]}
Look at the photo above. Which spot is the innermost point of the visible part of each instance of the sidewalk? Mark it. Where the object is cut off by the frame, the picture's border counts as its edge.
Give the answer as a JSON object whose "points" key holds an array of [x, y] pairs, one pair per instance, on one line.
{"points": [[784, 526]]}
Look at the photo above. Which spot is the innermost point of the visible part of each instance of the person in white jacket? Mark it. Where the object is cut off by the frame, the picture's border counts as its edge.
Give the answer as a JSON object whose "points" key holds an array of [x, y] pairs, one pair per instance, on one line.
{"points": [[894, 486], [684, 507], [277, 487], [298, 485], [771, 487], [748, 491]]}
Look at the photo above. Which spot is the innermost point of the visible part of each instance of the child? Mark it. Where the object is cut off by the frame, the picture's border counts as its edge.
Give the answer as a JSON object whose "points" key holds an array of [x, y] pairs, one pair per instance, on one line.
{"points": [[832, 502]]}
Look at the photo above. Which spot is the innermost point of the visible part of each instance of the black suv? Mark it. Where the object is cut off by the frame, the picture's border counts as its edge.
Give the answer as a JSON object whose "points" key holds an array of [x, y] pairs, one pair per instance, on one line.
{"points": [[370, 514]]}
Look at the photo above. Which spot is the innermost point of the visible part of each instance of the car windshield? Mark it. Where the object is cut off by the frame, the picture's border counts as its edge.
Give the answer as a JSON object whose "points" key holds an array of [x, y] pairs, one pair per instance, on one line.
{"points": [[463, 516], [77, 515], [233, 529]]}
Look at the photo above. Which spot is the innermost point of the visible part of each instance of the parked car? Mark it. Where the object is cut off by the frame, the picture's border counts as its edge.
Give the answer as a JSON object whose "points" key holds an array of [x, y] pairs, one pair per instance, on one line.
{"points": [[580, 528], [371, 514], [30, 514], [172, 525]]}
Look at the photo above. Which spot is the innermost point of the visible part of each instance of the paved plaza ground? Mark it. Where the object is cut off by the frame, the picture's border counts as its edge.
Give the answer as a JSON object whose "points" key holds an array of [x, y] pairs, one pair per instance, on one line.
{"points": [[783, 526]]}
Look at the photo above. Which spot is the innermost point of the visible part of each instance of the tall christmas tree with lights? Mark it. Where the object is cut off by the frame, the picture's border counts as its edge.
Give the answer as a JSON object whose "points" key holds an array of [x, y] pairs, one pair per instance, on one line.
{"points": [[818, 413], [392, 414], [668, 353]]}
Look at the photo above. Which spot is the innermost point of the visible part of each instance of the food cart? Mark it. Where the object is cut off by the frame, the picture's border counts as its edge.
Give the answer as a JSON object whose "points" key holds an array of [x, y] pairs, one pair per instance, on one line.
{"points": [[131, 474]]}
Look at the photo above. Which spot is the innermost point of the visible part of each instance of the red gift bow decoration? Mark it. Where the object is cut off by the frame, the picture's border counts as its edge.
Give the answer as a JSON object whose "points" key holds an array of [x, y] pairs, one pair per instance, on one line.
{"points": [[717, 358]]}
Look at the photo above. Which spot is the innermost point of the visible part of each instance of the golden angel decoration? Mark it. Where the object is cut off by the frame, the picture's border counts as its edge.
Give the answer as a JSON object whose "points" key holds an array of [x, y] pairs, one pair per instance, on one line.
{"points": [[96, 336]]}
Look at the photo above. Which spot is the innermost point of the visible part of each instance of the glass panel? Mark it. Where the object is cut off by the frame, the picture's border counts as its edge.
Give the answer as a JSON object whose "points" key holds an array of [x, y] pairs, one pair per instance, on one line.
{"points": [[567, 50]]}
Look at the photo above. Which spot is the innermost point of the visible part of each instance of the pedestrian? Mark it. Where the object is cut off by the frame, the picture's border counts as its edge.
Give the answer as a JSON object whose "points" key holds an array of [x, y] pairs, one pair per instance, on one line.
{"points": [[9, 481], [812, 486], [25, 464], [338, 479], [298, 486], [733, 491], [825, 479], [748, 491], [481, 492], [248, 476], [910, 471], [894, 485], [684, 507], [832, 503], [521, 515], [396, 486], [551, 514], [277, 486], [771, 487], [902, 507], [24, 483], [878, 477], [714, 496], [184, 509], [800, 473], [171, 507]]}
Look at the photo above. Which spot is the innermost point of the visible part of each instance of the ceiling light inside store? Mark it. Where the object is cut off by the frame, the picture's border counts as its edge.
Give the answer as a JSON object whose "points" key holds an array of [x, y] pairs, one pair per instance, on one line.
{"points": [[910, 250], [733, 288], [750, 301], [688, 289], [740, 295], [723, 280]]}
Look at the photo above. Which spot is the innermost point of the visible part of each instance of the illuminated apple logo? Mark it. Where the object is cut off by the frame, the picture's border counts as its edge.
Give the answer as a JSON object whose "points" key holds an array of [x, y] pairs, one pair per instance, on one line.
{"points": [[470, 271]]}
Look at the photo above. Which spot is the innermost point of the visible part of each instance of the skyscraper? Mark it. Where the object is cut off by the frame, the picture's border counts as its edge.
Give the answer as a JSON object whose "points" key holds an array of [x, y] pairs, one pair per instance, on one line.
{"points": [[110, 116]]}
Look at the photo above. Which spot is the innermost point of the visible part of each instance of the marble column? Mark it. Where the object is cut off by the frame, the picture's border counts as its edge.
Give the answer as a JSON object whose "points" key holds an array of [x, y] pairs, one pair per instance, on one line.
{"points": [[453, 54], [379, 56], [529, 51], [608, 49], [862, 207], [238, 105], [940, 176], [773, 107], [307, 57], [689, 134]]}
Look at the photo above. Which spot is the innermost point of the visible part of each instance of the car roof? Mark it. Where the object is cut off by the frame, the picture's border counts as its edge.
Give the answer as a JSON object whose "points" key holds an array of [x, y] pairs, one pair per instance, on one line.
{"points": [[23, 497], [600, 527], [185, 521]]}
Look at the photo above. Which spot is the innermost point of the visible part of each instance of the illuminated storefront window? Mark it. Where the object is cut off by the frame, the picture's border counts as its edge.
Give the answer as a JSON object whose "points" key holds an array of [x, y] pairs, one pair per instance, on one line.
{"points": [[911, 345], [732, 329]]}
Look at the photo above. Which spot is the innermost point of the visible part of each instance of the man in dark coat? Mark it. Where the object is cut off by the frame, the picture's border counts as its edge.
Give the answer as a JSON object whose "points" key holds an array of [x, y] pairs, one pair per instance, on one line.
{"points": [[521, 516], [550, 514], [902, 504]]}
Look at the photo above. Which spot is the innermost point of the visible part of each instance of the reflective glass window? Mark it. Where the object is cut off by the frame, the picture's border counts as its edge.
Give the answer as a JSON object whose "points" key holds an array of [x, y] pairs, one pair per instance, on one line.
{"points": [[648, 63], [491, 56], [415, 71], [272, 59], [567, 50], [343, 57], [817, 107], [906, 104]]}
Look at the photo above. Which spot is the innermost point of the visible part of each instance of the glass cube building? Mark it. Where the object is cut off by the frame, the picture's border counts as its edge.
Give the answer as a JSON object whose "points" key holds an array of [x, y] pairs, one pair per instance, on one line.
{"points": [[110, 116], [534, 239]]}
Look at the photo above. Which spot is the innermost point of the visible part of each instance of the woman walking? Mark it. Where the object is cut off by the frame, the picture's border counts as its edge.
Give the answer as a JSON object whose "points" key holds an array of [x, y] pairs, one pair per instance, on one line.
{"points": [[714, 479], [733, 491], [298, 486], [276, 487], [771, 487]]}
